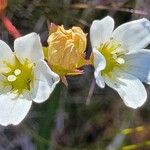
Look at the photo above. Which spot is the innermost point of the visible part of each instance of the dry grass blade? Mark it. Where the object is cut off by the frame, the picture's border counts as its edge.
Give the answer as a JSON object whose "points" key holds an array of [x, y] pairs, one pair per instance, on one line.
{"points": [[103, 7]]}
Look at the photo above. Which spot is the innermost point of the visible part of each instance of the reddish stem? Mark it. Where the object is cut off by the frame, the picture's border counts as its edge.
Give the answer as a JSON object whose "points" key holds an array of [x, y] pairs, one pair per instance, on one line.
{"points": [[9, 26]]}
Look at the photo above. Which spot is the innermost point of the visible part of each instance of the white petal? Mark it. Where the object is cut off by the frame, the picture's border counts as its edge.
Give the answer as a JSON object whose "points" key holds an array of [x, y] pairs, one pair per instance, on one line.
{"points": [[99, 80], [99, 60], [5, 52], [29, 46], [101, 31], [130, 89], [13, 111], [133, 35], [138, 64], [99, 64], [44, 83]]}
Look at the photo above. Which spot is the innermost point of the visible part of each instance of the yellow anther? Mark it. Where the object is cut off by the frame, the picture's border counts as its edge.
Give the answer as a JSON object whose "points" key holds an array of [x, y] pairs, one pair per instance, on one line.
{"points": [[17, 72], [115, 51], [120, 60], [114, 56], [11, 78]]}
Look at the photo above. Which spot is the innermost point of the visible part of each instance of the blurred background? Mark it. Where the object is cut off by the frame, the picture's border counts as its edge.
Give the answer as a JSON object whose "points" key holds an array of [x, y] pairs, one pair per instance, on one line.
{"points": [[65, 122]]}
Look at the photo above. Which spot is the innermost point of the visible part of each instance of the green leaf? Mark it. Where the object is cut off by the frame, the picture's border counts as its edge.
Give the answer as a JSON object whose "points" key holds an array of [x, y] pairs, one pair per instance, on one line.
{"points": [[46, 123]]}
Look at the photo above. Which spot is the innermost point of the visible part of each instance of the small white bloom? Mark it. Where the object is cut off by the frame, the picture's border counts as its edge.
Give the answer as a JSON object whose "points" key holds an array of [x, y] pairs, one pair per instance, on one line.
{"points": [[120, 59], [24, 77]]}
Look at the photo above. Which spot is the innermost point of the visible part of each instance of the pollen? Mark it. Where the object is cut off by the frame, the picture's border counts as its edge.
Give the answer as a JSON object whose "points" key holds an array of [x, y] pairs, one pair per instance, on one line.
{"points": [[113, 54]]}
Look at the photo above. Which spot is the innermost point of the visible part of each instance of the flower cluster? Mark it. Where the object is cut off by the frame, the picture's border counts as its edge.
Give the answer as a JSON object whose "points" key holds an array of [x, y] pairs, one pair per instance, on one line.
{"points": [[30, 73]]}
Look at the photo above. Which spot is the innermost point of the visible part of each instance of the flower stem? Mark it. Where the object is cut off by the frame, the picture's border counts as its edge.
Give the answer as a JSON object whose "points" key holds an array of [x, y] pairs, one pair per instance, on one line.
{"points": [[90, 92], [9, 26]]}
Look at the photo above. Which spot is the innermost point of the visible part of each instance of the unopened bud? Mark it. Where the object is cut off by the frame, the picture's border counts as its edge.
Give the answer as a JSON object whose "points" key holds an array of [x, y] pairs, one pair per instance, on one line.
{"points": [[66, 50]]}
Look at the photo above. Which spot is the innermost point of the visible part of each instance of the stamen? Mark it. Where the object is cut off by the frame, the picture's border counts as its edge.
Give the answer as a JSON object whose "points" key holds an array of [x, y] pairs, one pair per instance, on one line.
{"points": [[114, 56], [17, 72], [30, 65], [115, 51], [11, 78], [120, 60], [5, 70]]}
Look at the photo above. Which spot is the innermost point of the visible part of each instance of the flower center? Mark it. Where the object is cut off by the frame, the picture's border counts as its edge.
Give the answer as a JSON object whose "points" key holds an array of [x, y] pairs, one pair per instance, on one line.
{"points": [[18, 75], [113, 54]]}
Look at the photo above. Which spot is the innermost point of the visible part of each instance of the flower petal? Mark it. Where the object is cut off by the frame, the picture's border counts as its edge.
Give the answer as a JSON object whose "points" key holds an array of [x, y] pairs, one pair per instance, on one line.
{"points": [[130, 89], [101, 30], [99, 64], [44, 83], [5, 52], [29, 46], [13, 111], [138, 64], [4, 88], [133, 35], [99, 80], [99, 60]]}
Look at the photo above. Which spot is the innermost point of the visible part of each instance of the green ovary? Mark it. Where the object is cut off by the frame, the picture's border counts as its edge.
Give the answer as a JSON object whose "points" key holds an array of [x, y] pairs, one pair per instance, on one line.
{"points": [[18, 76], [112, 52]]}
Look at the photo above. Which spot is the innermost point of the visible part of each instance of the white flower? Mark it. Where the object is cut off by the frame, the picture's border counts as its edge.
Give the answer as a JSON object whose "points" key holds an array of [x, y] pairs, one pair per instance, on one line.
{"points": [[120, 59], [24, 77]]}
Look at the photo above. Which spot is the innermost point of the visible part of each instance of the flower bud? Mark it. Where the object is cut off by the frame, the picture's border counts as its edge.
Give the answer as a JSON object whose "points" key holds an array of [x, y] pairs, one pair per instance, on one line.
{"points": [[66, 50]]}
